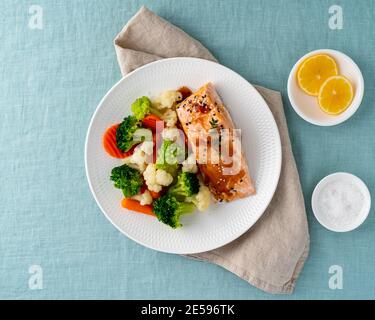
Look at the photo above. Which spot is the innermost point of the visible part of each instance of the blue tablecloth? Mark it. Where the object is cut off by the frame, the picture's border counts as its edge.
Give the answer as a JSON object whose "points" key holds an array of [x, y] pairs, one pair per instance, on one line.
{"points": [[51, 82]]}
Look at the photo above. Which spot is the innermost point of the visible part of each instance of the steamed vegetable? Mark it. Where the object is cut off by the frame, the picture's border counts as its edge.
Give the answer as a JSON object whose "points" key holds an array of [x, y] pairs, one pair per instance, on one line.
{"points": [[167, 99], [142, 107], [110, 146], [127, 179], [190, 164], [156, 179], [154, 194], [124, 133], [168, 156], [169, 210], [134, 205], [170, 118], [144, 198], [187, 185], [151, 120], [202, 199]]}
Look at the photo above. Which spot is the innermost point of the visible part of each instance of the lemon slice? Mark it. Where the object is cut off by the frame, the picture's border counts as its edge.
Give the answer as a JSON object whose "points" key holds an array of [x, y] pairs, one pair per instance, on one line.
{"points": [[335, 95], [314, 71]]}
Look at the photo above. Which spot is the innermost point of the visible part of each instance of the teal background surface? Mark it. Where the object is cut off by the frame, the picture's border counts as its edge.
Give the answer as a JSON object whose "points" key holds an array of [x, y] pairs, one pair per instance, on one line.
{"points": [[51, 82]]}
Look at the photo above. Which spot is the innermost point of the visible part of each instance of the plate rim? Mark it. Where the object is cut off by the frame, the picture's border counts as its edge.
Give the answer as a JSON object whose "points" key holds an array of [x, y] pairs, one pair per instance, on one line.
{"points": [[277, 144]]}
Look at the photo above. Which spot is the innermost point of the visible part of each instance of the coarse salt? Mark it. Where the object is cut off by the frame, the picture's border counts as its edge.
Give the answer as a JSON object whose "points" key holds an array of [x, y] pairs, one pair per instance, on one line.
{"points": [[340, 203]]}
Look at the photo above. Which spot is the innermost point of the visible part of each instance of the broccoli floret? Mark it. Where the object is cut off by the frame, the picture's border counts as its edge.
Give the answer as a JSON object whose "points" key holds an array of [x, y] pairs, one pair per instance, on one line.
{"points": [[128, 179], [142, 107], [187, 185], [169, 210], [168, 156], [125, 132]]}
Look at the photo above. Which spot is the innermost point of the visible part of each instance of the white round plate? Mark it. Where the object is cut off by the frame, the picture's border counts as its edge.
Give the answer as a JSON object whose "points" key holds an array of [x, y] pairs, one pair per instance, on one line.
{"points": [[307, 107], [223, 222], [341, 177]]}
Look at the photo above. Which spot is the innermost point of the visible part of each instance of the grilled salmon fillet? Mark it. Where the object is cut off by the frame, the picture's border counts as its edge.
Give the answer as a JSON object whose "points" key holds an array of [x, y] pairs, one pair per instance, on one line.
{"points": [[216, 144]]}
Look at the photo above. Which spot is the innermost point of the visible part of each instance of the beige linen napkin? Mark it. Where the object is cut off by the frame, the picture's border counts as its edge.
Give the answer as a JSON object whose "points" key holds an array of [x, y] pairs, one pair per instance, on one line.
{"points": [[271, 254]]}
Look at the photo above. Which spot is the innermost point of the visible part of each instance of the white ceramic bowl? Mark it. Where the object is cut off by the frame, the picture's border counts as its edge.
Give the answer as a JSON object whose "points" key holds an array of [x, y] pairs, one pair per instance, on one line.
{"points": [[307, 106], [341, 177]]}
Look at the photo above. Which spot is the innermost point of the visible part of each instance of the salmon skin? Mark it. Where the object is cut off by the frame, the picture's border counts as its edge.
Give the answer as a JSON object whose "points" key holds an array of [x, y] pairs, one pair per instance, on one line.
{"points": [[216, 144]]}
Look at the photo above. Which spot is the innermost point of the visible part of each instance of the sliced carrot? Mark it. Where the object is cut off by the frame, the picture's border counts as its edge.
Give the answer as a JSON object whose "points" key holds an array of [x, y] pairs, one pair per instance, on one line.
{"points": [[109, 142], [150, 121], [154, 194], [110, 146], [135, 205]]}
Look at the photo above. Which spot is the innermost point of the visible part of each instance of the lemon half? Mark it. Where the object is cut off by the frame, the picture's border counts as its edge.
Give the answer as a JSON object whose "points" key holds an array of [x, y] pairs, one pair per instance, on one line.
{"points": [[314, 71], [335, 95]]}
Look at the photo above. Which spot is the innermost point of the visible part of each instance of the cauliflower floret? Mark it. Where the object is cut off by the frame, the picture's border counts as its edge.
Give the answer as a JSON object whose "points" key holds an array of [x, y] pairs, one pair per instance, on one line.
{"points": [[189, 164], [170, 118], [150, 178], [147, 147], [140, 158], [144, 198], [156, 178], [167, 99], [172, 134], [203, 198], [163, 178]]}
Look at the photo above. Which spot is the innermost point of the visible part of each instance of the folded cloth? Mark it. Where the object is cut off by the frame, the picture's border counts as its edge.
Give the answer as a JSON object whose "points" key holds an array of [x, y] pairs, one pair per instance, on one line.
{"points": [[272, 253]]}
